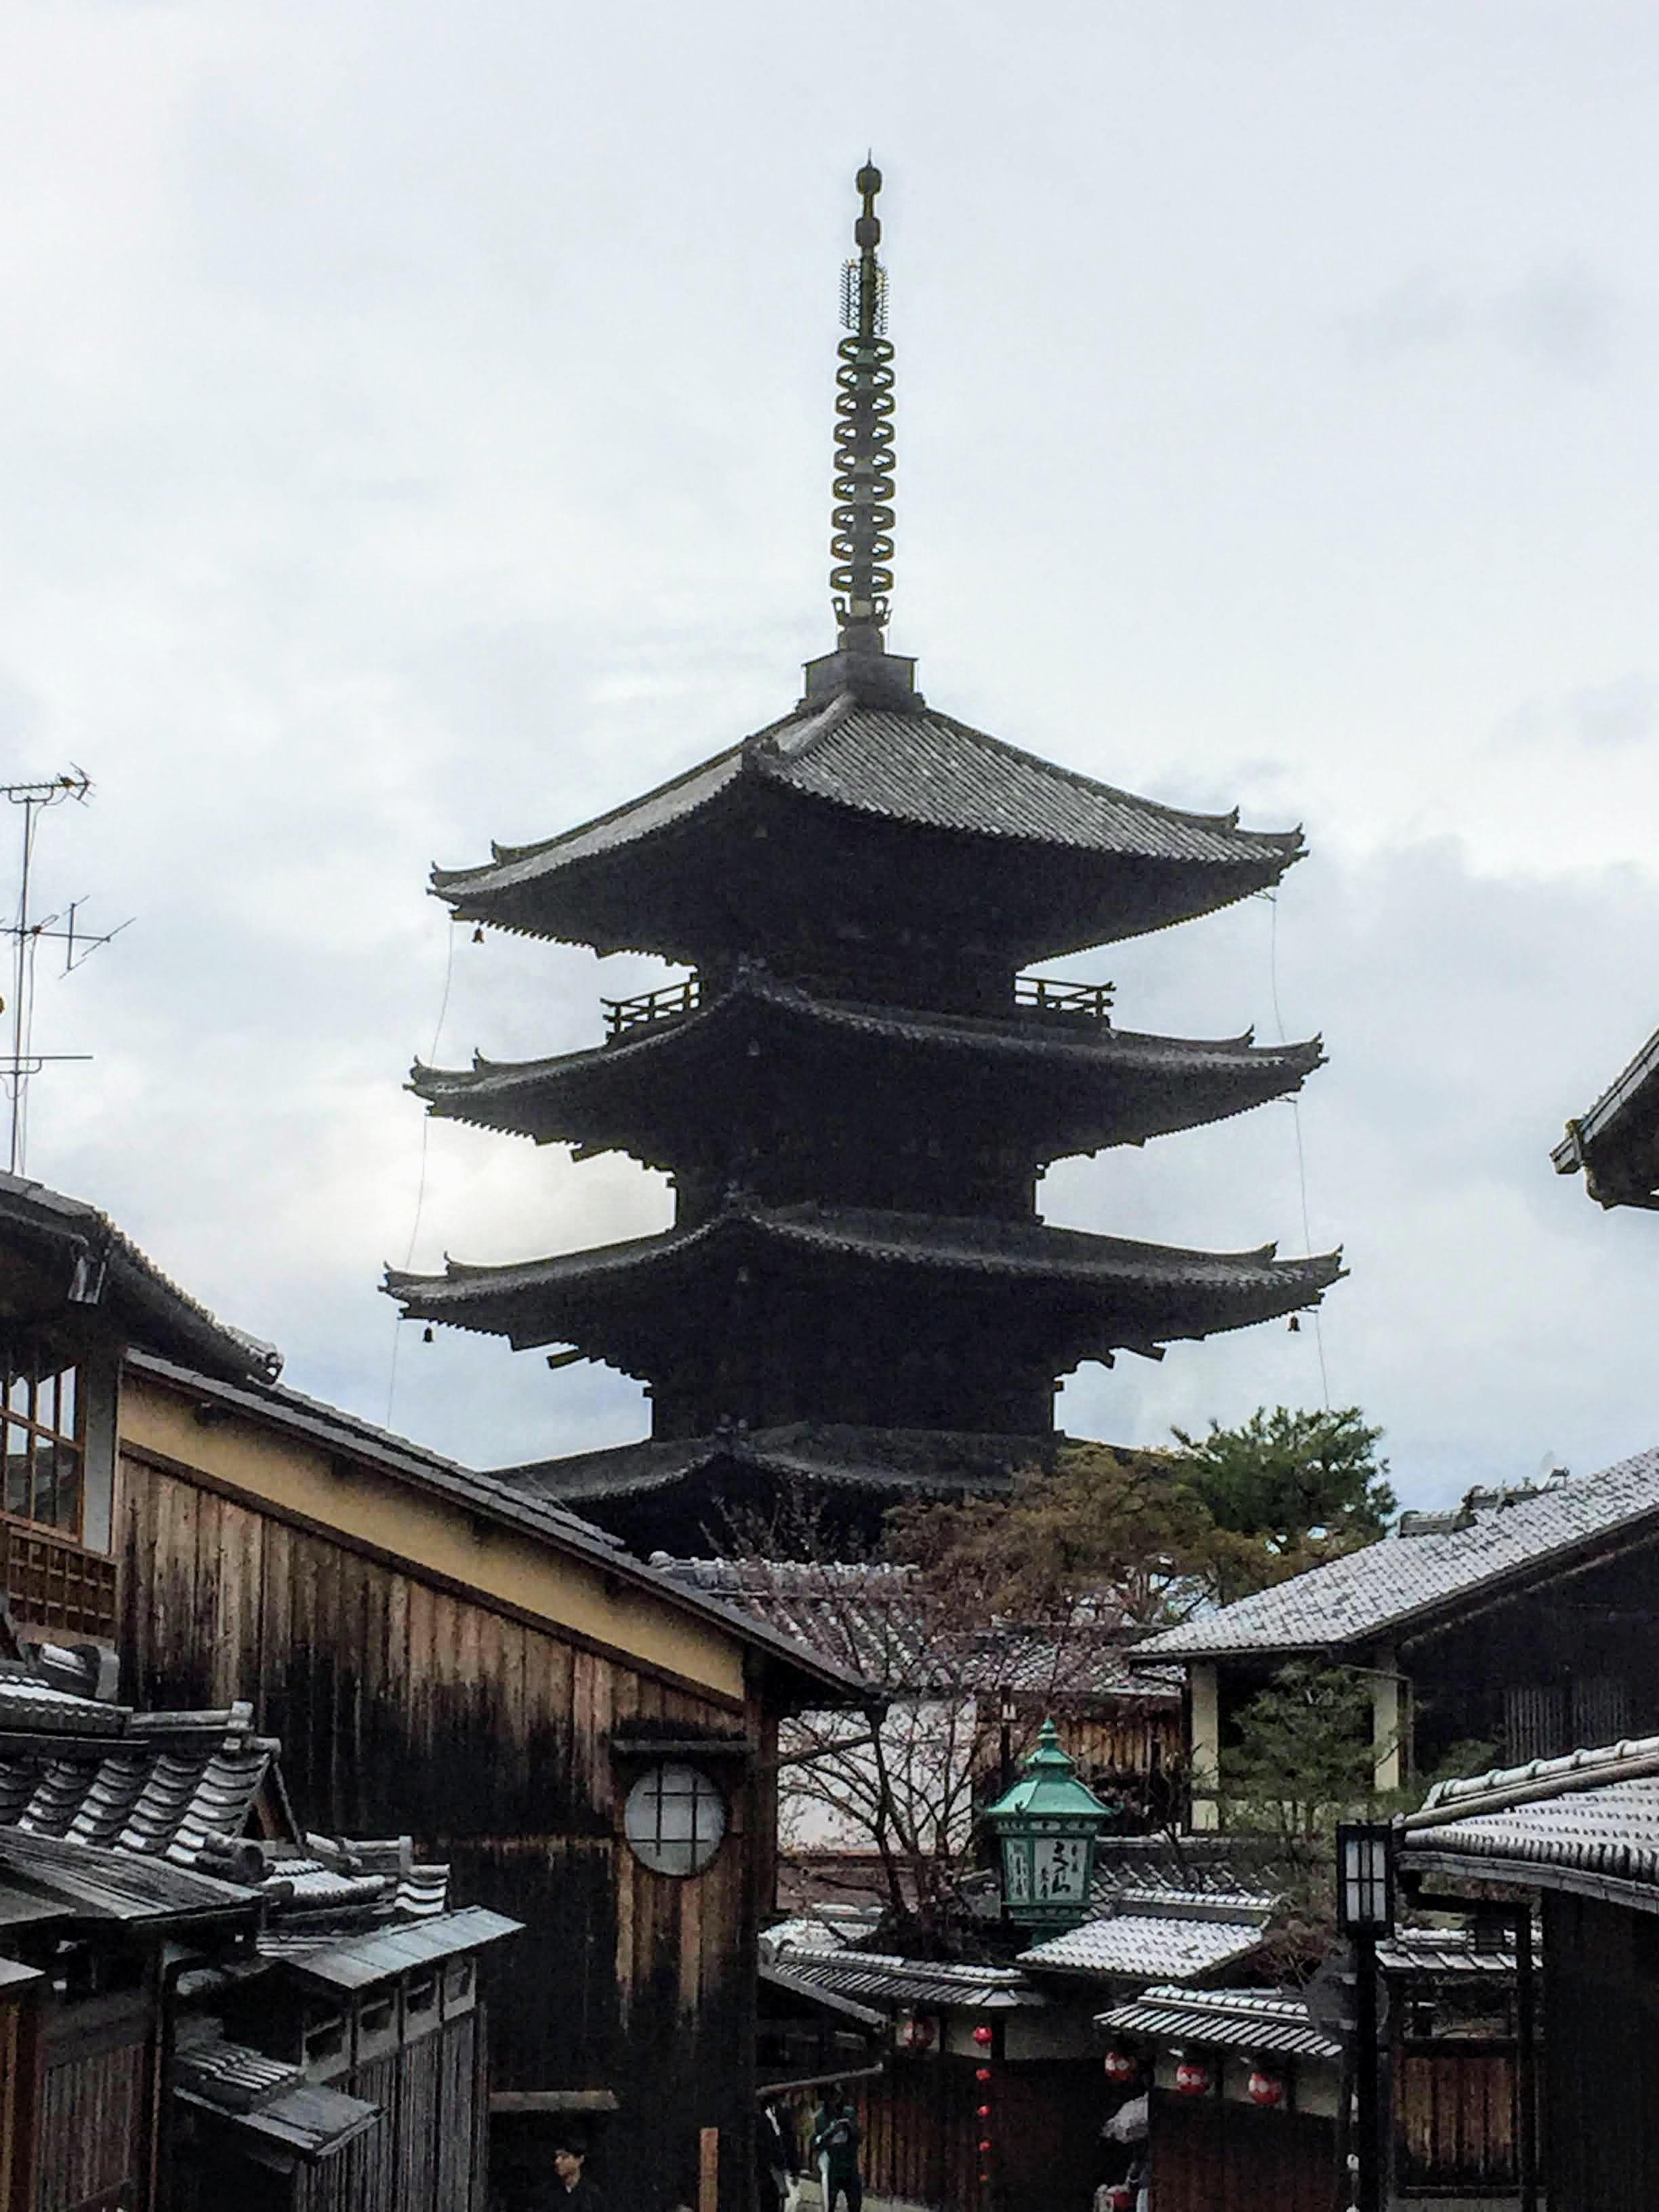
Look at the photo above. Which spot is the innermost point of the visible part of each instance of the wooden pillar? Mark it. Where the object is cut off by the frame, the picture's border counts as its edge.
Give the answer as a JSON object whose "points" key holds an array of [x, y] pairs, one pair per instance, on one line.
{"points": [[1204, 1741], [1388, 1723]]}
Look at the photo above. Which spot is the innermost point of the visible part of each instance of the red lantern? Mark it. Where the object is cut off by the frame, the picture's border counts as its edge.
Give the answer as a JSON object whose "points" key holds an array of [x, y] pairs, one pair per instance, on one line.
{"points": [[916, 2032], [982, 2112], [983, 2035], [984, 2146], [982, 2074], [1266, 2088], [1191, 2079], [1120, 2197], [1119, 2066]]}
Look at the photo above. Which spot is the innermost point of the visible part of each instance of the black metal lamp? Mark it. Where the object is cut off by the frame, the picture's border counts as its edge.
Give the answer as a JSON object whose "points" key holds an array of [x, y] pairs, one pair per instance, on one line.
{"points": [[1364, 1878]]}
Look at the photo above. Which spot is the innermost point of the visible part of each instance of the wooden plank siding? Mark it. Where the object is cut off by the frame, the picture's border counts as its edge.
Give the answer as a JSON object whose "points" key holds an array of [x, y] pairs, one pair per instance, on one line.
{"points": [[1454, 2118], [405, 1708], [1212, 2155]]}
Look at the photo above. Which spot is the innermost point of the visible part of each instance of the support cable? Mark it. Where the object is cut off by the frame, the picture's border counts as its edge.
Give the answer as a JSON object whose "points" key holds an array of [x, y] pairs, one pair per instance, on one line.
{"points": [[1295, 1104], [420, 1187]]}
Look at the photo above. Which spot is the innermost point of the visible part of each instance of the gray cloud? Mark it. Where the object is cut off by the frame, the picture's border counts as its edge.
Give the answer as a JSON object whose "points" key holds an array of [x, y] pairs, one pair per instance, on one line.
{"points": [[1561, 316], [1594, 716]]}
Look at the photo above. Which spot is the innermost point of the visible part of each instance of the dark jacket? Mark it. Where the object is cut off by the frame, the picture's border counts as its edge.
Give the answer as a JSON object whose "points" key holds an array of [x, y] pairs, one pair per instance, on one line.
{"points": [[835, 2136]]}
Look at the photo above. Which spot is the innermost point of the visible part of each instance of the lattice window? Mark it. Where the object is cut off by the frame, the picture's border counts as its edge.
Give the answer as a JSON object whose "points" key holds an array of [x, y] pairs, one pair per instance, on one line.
{"points": [[675, 1819], [44, 1430]]}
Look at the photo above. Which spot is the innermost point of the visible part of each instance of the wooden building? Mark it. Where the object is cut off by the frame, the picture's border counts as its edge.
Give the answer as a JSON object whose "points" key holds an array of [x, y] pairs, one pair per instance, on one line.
{"points": [[856, 1087], [1578, 1838], [1521, 1620], [589, 1745], [193, 2016]]}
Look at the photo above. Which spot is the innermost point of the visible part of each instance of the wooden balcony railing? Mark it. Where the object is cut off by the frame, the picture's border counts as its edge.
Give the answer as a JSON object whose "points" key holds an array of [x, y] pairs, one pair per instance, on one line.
{"points": [[1048, 995], [51, 1582], [673, 1000]]}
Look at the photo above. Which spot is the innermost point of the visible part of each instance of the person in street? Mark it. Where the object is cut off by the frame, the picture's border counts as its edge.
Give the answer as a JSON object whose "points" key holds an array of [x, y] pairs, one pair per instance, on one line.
{"points": [[570, 2191], [835, 2136], [776, 2158]]}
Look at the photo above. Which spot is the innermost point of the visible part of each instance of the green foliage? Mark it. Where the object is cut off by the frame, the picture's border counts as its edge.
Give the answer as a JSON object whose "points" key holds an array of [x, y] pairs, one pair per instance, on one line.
{"points": [[1303, 1758], [1160, 1532], [1284, 1491]]}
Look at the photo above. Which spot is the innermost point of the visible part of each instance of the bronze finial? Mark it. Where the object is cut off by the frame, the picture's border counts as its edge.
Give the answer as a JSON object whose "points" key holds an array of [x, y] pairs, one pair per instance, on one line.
{"points": [[861, 543]]}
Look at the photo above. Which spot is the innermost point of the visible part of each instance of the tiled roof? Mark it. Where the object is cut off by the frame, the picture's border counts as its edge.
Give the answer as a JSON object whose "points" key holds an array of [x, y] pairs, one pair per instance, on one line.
{"points": [[1148, 1292], [376, 1954], [261, 2097], [1250, 2020], [886, 1979], [61, 1877], [158, 1786], [1617, 1142], [1442, 1951], [1128, 1085], [1404, 1579], [904, 763], [1149, 1947], [1213, 1867], [109, 1266], [868, 1616], [1593, 1816], [925, 1461]]}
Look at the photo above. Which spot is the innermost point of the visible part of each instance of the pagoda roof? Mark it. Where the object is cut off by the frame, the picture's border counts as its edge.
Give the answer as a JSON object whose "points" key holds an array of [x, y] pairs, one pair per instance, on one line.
{"points": [[1132, 1084], [1128, 1295], [843, 1455], [894, 762]]}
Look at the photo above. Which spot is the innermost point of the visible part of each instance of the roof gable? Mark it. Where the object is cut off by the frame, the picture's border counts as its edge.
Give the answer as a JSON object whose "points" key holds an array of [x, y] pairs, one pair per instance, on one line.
{"points": [[1403, 1580]]}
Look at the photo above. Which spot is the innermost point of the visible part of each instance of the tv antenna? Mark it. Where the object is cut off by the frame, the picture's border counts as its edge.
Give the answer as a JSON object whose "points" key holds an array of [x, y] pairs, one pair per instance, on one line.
{"points": [[27, 933]]}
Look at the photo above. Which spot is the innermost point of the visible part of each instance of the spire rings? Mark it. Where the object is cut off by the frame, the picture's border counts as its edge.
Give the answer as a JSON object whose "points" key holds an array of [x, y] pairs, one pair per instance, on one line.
{"points": [[861, 544]]}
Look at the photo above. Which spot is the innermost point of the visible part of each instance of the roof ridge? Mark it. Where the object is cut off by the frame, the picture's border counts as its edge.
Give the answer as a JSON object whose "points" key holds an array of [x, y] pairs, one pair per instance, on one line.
{"points": [[1634, 1759]]}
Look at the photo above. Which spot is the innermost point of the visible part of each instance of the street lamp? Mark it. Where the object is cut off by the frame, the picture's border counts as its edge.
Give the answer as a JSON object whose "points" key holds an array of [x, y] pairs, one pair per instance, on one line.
{"points": [[1364, 1911], [1047, 1825]]}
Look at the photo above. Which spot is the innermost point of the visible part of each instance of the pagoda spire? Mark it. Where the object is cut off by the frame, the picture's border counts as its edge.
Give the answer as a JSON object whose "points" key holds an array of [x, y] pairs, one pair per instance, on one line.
{"points": [[861, 543]]}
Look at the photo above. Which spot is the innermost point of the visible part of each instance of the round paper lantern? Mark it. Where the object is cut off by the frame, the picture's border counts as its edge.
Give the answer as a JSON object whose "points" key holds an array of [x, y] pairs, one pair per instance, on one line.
{"points": [[1119, 2066], [982, 2112], [1266, 2088], [982, 2074], [1191, 2079], [984, 2146], [983, 2035]]}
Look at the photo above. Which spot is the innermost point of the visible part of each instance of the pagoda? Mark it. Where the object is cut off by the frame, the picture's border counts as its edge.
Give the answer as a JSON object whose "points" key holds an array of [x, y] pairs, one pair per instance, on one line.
{"points": [[858, 1084]]}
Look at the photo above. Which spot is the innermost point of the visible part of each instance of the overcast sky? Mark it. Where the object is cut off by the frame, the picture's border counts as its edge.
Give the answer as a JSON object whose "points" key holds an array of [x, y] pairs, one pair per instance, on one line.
{"points": [[417, 430]]}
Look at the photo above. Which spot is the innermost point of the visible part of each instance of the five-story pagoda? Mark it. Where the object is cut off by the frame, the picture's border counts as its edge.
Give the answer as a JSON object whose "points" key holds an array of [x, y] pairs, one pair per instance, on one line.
{"points": [[856, 1088]]}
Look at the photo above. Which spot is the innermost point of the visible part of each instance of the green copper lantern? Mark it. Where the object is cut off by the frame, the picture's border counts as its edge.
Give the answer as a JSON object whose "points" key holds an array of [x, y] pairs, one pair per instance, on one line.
{"points": [[1047, 1825]]}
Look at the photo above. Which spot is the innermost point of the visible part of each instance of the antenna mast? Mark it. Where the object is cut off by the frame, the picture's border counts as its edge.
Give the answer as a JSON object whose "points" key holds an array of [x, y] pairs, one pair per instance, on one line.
{"points": [[26, 932]]}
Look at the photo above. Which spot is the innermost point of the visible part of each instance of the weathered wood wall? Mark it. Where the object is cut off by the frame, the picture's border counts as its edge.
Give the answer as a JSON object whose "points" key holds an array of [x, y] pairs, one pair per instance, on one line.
{"points": [[1212, 2155], [1454, 2106], [94, 2102], [1601, 2102], [405, 1708]]}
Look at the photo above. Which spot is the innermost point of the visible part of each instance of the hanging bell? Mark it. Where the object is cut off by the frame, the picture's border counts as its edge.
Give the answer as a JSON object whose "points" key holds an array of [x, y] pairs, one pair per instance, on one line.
{"points": [[426, 1333]]}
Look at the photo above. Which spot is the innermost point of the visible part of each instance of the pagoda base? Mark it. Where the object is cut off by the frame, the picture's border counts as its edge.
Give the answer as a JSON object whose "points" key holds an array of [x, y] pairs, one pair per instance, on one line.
{"points": [[716, 1495]]}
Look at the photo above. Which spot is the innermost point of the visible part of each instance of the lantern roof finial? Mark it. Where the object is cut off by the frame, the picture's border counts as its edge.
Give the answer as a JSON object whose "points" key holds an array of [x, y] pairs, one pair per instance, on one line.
{"points": [[1048, 1785]]}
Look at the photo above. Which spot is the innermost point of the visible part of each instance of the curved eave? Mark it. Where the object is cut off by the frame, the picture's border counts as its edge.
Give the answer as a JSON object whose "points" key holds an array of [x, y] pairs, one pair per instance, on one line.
{"points": [[588, 1096], [1147, 1294], [914, 771]]}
